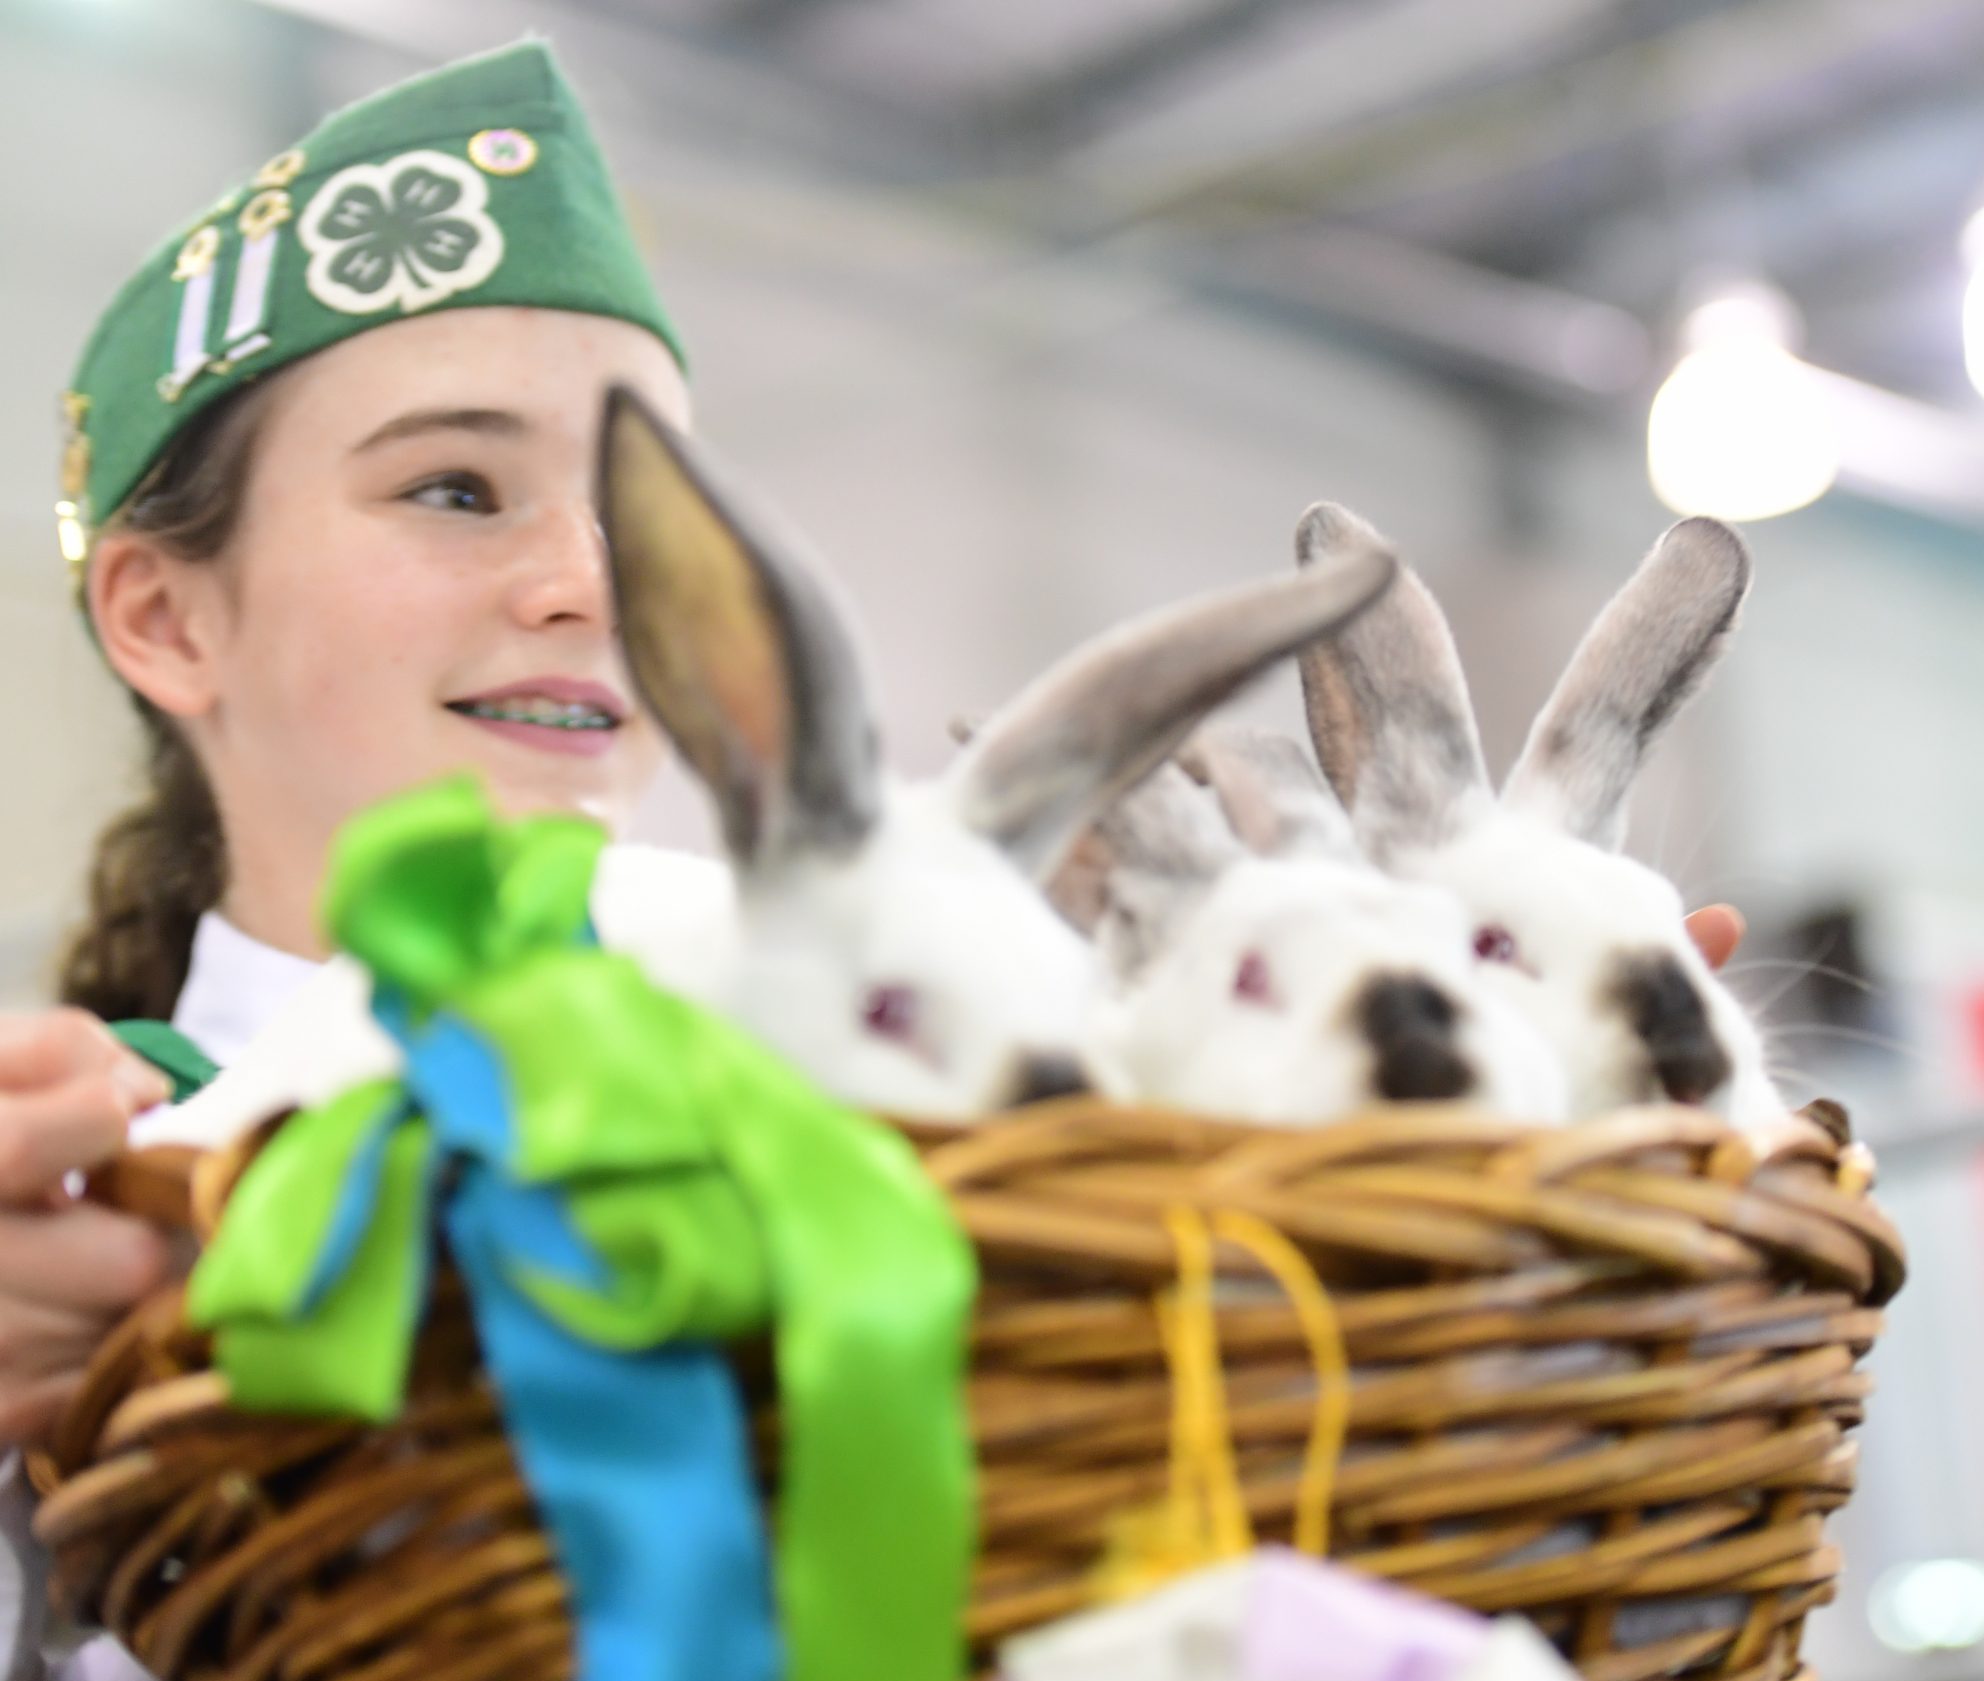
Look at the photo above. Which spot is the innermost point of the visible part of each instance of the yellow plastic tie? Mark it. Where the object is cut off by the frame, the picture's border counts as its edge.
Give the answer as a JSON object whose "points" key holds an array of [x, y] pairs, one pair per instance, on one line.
{"points": [[1208, 1466], [1324, 1336], [1204, 1517]]}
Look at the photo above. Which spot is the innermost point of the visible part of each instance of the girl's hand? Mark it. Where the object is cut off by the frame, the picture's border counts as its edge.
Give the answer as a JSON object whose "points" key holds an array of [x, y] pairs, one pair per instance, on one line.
{"points": [[1718, 930], [68, 1269]]}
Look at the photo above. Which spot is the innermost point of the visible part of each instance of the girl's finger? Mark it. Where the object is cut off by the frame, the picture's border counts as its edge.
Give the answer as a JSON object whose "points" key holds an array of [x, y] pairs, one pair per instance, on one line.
{"points": [[41, 1339], [47, 1134], [1717, 931], [45, 1047], [85, 1258], [29, 1412]]}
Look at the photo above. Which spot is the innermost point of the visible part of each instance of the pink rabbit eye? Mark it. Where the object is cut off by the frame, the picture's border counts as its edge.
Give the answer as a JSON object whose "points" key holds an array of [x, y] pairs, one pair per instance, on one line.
{"points": [[1251, 980], [1495, 944], [890, 1012]]}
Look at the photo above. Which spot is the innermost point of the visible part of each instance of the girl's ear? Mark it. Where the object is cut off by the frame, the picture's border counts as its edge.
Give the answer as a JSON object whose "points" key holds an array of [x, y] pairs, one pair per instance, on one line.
{"points": [[154, 615]]}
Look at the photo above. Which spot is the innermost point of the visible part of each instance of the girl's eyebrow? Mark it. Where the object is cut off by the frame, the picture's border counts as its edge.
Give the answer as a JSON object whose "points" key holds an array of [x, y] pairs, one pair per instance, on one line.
{"points": [[490, 422]]}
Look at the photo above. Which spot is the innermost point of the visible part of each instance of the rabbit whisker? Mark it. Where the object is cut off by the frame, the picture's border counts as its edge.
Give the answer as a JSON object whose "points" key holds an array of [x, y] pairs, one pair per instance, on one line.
{"points": [[1857, 1036], [1804, 967], [1710, 824]]}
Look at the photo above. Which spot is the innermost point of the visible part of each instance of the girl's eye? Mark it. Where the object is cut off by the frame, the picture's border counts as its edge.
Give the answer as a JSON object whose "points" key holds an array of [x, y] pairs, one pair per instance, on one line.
{"points": [[1252, 983], [1494, 944], [456, 493], [890, 1012]]}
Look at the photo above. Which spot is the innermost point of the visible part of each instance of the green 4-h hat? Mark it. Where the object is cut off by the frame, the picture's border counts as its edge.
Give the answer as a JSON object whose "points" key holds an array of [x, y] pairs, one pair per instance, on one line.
{"points": [[478, 183]]}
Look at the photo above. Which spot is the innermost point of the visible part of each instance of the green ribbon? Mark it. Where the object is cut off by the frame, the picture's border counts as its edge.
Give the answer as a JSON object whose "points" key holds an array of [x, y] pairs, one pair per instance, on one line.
{"points": [[719, 1193]]}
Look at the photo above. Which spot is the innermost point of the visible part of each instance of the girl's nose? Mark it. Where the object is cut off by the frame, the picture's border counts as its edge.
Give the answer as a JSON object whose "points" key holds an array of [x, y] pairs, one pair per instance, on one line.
{"points": [[563, 574]]}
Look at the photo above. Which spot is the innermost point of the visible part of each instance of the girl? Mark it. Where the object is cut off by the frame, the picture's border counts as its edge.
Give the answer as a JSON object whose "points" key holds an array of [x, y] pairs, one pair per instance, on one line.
{"points": [[328, 497]]}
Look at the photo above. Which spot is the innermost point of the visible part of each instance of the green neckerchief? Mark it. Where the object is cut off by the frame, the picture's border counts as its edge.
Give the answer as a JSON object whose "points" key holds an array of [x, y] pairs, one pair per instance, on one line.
{"points": [[171, 1053]]}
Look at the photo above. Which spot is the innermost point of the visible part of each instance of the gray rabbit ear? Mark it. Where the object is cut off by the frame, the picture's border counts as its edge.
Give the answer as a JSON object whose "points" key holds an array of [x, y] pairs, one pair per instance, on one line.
{"points": [[1152, 856], [1271, 792], [1388, 706], [1069, 745], [1643, 658], [734, 645]]}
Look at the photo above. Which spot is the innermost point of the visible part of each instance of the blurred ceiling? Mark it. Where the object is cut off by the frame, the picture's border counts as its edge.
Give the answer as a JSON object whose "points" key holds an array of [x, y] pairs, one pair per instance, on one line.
{"points": [[1522, 185], [1519, 195]]}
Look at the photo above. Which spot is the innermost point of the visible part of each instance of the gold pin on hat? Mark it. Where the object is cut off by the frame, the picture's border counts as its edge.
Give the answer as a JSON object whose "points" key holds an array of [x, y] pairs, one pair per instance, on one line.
{"points": [[197, 255], [502, 151], [71, 533], [281, 169], [75, 445], [265, 212]]}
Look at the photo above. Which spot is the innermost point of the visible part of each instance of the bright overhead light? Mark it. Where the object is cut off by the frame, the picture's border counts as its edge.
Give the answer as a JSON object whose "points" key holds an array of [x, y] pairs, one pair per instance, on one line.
{"points": [[1741, 429], [1934, 1606]]}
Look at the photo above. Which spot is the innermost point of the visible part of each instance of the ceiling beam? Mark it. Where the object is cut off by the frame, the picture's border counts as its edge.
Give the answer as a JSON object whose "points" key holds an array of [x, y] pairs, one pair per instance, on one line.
{"points": [[762, 19], [1359, 66], [1541, 338], [1048, 114], [641, 72], [1749, 85]]}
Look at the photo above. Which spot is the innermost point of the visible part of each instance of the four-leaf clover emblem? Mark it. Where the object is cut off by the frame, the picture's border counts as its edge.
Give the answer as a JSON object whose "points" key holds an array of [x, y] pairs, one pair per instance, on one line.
{"points": [[410, 231]]}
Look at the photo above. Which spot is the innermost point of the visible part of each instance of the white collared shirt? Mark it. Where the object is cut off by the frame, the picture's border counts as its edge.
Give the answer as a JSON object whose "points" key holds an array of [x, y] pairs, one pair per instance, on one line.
{"points": [[233, 986]]}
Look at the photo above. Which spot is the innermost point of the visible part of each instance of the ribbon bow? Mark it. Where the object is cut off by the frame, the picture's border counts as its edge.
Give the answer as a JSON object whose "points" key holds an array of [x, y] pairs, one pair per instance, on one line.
{"points": [[630, 1183]]}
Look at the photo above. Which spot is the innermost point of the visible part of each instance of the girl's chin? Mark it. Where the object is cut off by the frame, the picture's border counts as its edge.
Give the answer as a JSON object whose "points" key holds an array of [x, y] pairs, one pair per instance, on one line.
{"points": [[518, 796]]}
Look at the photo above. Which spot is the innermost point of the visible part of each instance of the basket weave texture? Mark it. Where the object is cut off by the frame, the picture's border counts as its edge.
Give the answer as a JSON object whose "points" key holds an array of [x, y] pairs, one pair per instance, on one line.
{"points": [[1602, 1376]]}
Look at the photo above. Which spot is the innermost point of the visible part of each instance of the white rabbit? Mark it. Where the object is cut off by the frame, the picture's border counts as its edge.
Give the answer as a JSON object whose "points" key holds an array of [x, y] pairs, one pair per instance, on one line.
{"points": [[1285, 979], [892, 939], [1591, 944]]}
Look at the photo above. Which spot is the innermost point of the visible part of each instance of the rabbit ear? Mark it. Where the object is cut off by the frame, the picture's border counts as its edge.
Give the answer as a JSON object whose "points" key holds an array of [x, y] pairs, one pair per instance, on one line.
{"points": [[1646, 654], [1152, 854], [1388, 706], [1096, 723], [734, 645], [1272, 794]]}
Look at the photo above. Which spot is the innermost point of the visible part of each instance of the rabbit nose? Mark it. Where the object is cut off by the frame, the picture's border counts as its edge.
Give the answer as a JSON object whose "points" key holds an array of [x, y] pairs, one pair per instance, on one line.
{"points": [[1411, 1026], [1666, 1010], [1046, 1074]]}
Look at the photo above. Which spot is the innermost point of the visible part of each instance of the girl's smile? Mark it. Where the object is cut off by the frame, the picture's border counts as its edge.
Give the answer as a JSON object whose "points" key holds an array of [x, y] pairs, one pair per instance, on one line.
{"points": [[549, 714]]}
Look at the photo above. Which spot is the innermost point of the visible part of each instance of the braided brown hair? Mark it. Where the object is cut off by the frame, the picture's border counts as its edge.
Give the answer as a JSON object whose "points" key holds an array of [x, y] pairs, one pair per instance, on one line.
{"points": [[161, 863]]}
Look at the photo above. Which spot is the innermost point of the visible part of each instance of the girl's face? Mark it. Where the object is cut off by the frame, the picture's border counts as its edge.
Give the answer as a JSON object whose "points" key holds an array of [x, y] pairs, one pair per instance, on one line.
{"points": [[418, 585]]}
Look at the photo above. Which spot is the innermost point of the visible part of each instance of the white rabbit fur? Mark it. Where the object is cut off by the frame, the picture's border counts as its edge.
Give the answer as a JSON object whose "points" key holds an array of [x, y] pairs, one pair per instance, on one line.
{"points": [[1260, 873], [1002, 984], [891, 939], [1602, 961]]}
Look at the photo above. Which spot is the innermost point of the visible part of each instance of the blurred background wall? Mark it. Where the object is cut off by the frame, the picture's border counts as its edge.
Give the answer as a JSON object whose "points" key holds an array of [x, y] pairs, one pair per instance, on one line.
{"points": [[1036, 314]]}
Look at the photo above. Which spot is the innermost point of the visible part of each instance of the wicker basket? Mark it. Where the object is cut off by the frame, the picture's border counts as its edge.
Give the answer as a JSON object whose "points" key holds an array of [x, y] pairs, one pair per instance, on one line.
{"points": [[1602, 1376]]}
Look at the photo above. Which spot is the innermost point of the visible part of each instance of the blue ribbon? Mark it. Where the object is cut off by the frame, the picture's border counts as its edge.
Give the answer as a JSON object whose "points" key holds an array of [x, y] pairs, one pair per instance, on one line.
{"points": [[639, 1460]]}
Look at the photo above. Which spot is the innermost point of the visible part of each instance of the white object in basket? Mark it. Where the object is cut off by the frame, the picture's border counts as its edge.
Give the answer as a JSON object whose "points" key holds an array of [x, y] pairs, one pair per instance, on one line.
{"points": [[1279, 1615]]}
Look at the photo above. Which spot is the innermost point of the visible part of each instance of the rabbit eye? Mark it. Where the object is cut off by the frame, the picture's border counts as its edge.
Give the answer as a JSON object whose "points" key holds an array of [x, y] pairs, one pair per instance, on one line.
{"points": [[1494, 944], [1251, 981], [890, 1012]]}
